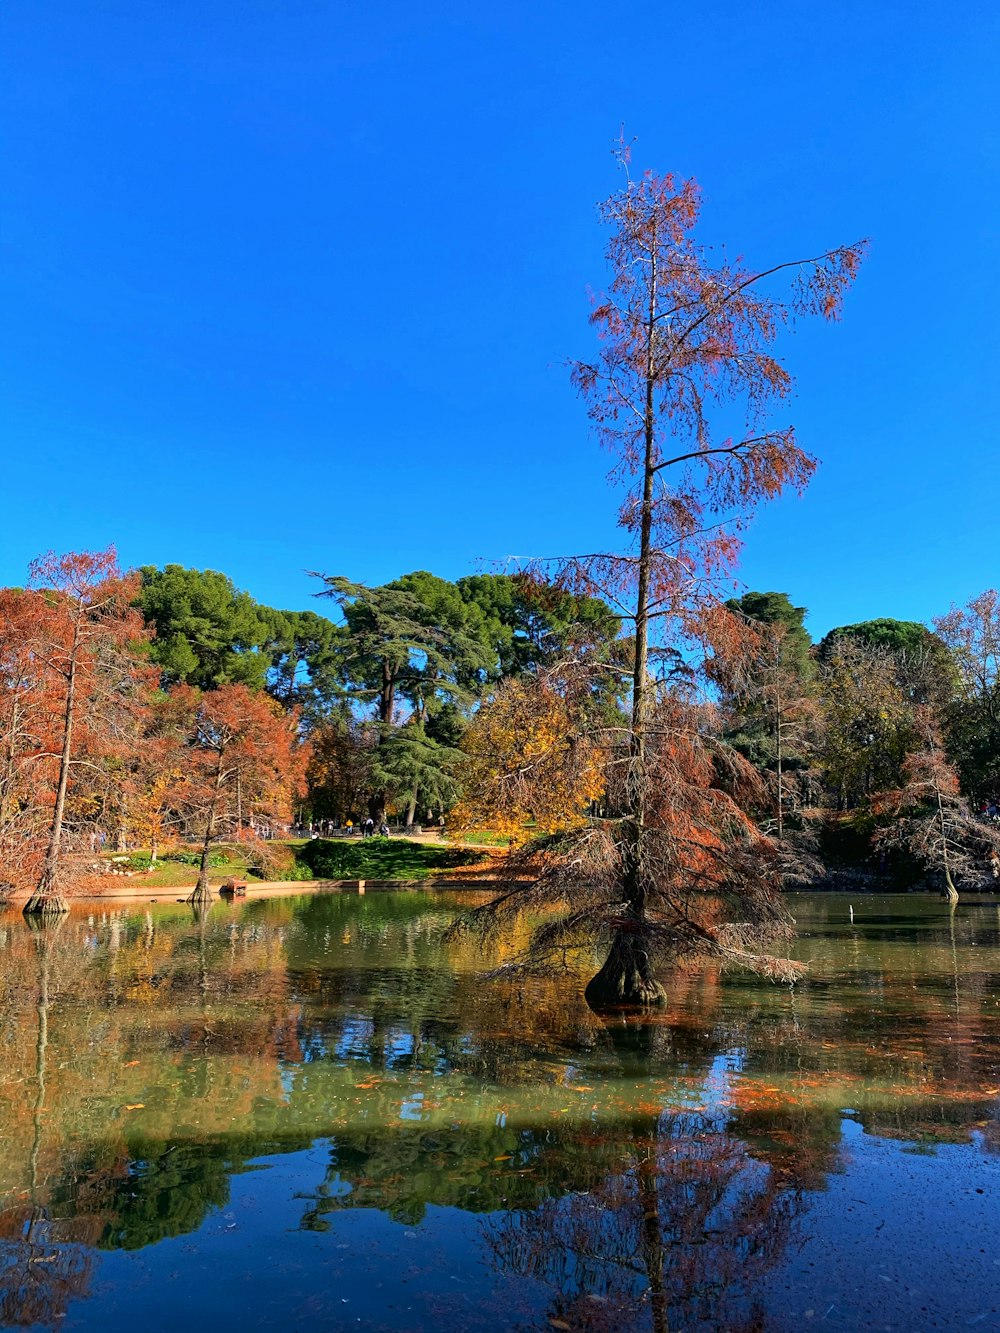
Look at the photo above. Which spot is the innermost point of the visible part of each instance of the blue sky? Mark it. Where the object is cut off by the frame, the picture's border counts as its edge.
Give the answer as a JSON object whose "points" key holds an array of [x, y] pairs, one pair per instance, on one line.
{"points": [[290, 284]]}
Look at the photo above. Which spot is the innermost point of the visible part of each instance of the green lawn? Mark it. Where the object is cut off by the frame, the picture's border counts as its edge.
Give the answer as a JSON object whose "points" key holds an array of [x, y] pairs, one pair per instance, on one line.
{"points": [[318, 858], [227, 861], [381, 858]]}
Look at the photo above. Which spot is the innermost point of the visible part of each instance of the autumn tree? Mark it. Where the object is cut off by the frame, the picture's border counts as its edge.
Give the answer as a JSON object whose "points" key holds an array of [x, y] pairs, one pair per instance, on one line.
{"points": [[340, 762], [22, 794], [90, 679], [972, 634], [529, 757], [932, 820], [244, 762], [683, 331]]}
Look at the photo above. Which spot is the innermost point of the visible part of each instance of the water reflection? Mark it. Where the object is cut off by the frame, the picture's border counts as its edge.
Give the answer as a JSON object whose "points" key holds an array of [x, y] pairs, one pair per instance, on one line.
{"points": [[620, 1174]]}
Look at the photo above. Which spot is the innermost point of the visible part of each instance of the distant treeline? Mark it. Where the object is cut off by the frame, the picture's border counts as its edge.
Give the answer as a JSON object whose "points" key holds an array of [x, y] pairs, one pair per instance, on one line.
{"points": [[137, 707]]}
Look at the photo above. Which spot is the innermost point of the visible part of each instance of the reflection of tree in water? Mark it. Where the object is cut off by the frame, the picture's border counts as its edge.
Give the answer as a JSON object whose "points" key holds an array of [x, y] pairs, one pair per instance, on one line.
{"points": [[623, 1219], [686, 1220], [682, 1219], [41, 1270], [79, 997]]}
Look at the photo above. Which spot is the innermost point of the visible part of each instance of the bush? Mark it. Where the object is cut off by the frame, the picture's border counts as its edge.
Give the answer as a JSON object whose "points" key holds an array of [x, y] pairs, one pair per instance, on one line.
{"points": [[380, 858], [194, 858]]}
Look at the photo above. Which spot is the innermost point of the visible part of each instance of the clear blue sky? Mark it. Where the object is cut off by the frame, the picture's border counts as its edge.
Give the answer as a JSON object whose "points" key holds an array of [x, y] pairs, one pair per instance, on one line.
{"points": [[289, 284]]}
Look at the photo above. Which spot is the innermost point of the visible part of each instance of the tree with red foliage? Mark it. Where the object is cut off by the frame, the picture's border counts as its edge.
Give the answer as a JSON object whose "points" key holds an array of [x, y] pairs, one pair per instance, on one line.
{"points": [[21, 801], [244, 762], [932, 820], [87, 679], [682, 332]]}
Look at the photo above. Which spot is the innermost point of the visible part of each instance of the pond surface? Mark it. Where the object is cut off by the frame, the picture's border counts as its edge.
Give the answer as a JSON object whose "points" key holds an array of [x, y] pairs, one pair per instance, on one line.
{"points": [[310, 1113]]}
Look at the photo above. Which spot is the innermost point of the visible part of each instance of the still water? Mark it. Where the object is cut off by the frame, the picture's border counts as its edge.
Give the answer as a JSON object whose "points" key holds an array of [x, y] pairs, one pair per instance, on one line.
{"points": [[311, 1113]]}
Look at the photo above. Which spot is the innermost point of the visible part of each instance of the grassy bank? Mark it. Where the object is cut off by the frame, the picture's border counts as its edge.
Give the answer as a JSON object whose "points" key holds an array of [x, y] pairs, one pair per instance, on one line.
{"points": [[383, 858], [358, 858]]}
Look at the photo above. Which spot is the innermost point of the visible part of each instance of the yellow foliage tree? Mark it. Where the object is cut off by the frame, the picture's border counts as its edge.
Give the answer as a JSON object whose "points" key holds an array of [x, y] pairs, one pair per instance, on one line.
{"points": [[528, 761]]}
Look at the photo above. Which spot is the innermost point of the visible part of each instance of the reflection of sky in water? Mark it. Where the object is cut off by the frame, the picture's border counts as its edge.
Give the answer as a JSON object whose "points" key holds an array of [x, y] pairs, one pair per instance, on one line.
{"points": [[868, 1252]]}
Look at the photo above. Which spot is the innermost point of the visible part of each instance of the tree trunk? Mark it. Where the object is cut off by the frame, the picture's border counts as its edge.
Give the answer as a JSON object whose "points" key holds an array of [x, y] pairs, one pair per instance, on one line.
{"points": [[202, 893], [652, 1236], [950, 892], [8, 777], [376, 807], [411, 809], [778, 739], [46, 899], [627, 977]]}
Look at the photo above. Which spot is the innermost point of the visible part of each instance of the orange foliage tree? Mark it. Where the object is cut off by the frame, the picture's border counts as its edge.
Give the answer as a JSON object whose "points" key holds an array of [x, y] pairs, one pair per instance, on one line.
{"points": [[88, 681], [932, 820], [244, 763], [22, 803], [682, 332]]}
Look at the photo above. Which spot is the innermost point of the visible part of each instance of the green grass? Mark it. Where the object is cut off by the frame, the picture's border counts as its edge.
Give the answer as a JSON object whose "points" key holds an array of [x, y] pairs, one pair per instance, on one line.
{"points": [[180, 865], [381, 858]]}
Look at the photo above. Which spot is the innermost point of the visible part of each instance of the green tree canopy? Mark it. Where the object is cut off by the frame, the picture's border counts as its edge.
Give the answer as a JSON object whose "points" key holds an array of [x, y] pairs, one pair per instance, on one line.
{"points": [[897, 636], [208, 633], [775, 608], [529, 622]]}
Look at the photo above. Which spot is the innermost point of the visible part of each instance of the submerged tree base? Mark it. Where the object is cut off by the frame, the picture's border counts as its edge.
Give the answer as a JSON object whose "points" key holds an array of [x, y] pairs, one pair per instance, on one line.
{"points": [[202, 893], [626, 980], [45, 904]]}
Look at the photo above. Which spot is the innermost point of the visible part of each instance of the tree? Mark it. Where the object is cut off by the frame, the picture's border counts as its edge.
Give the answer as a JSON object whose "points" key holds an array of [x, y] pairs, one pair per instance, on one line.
{"points": [[207, 632], [531, 622], [972, 634], [22, 797], [771, 695], [681, 333], [933, 821], [412, 645], [340, 766], [90, 679], [245, 763], [867, 721], [529, 759], [305, 668]]}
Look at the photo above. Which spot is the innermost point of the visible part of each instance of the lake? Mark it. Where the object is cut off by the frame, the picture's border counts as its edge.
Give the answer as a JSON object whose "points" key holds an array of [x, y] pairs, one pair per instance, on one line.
{"points": [[313, 1113]]}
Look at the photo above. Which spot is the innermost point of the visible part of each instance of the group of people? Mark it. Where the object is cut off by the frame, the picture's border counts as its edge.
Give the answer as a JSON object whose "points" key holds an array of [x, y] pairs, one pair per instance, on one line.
{"points": [[329, 828], [367, 827]]}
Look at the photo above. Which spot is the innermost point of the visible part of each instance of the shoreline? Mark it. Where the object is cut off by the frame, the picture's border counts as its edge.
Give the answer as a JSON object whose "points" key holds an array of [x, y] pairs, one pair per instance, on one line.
{"points": [[279, 888]]}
